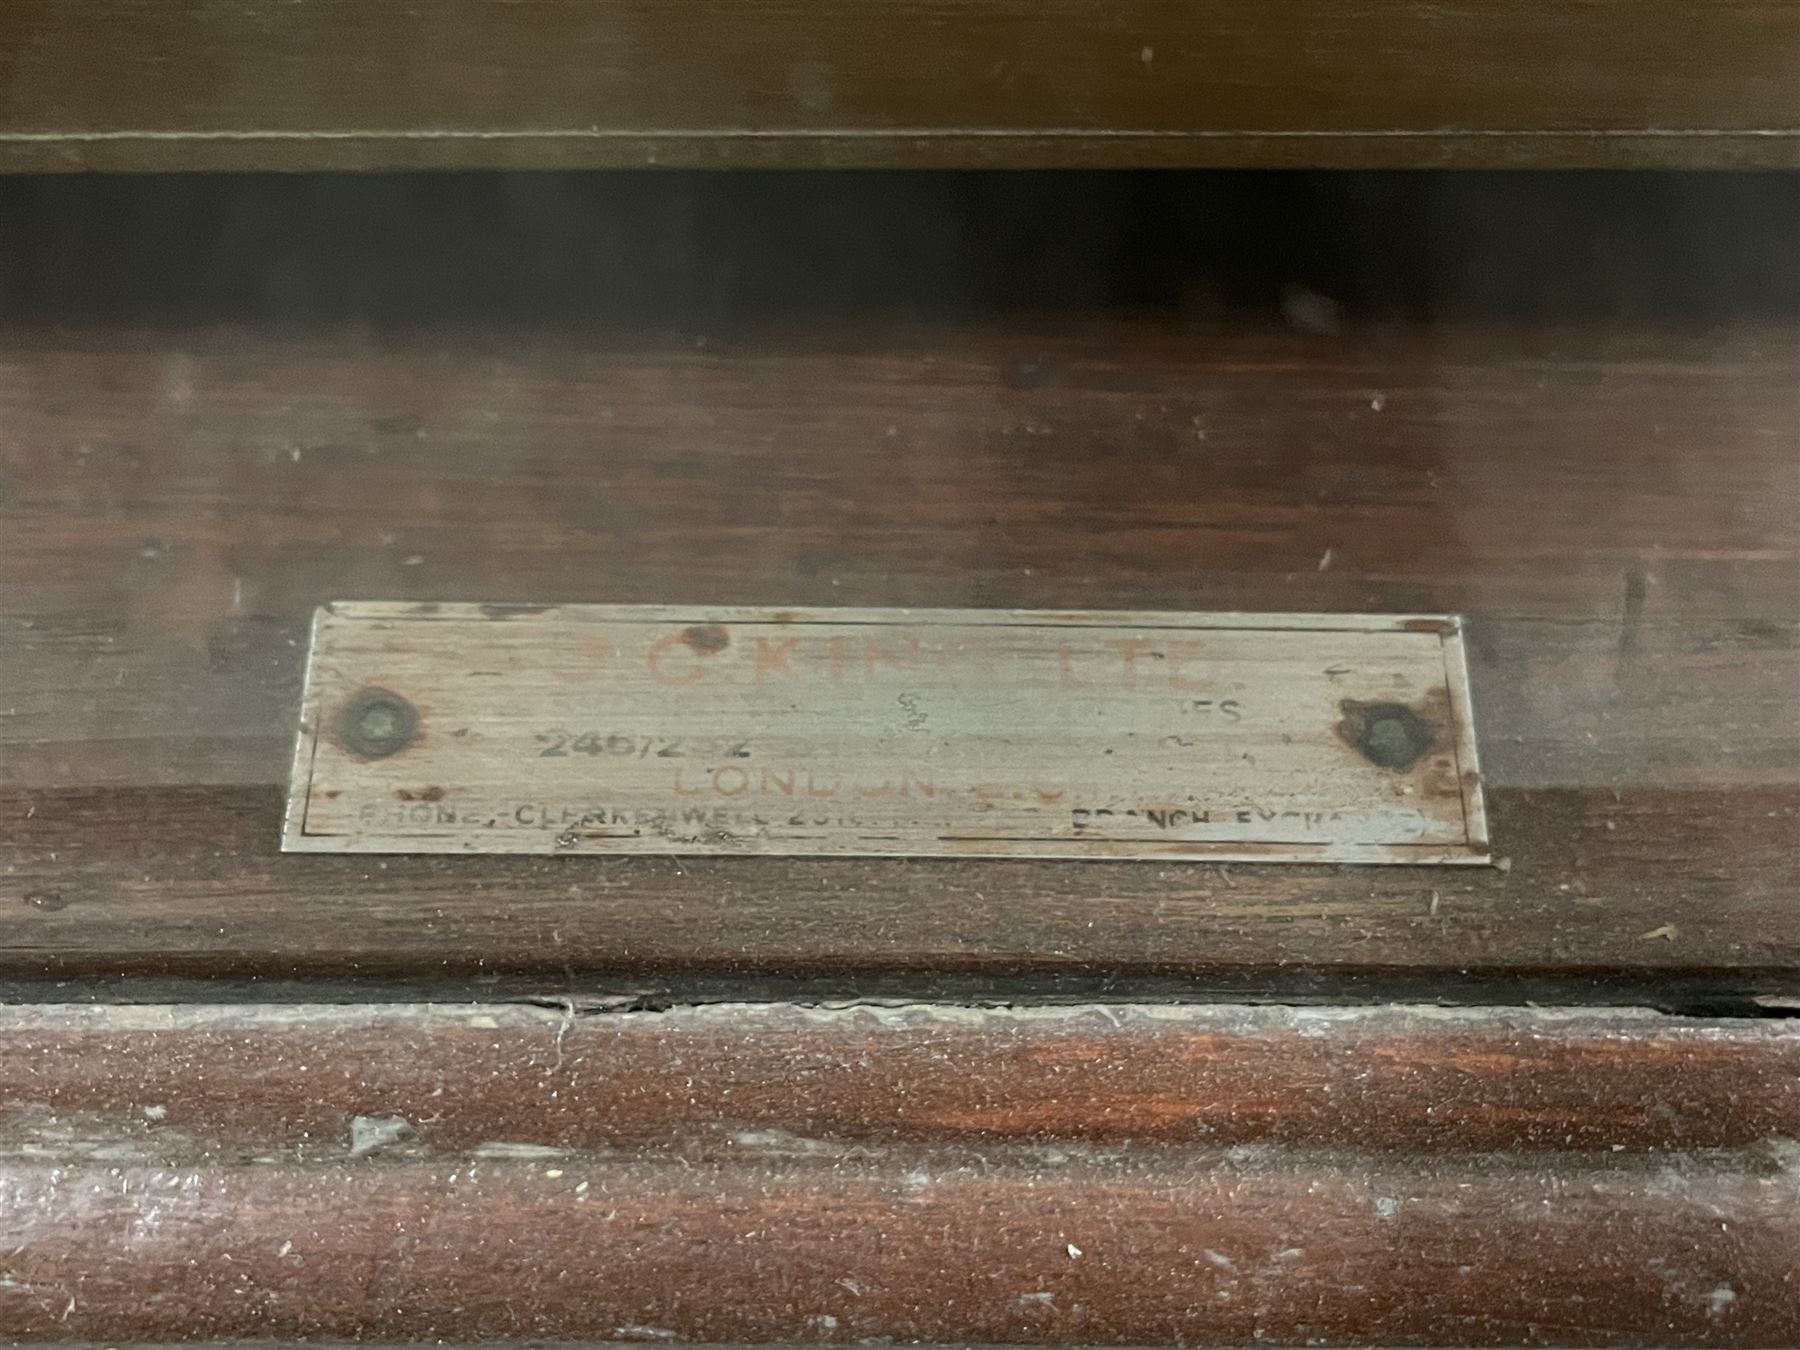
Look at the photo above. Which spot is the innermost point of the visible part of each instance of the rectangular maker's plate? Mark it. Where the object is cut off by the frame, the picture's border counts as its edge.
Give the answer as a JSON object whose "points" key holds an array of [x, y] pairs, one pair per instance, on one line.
{"points": [[438, 728]]}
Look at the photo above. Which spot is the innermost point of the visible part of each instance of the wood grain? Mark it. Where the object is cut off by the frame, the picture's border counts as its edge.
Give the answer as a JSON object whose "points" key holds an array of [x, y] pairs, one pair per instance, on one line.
{"points": [[1103, 1175], [1610, 896], [559, 393], [1634, 666], [833, 1250], [1409, 1081], [335, 84], [1613, 511]]}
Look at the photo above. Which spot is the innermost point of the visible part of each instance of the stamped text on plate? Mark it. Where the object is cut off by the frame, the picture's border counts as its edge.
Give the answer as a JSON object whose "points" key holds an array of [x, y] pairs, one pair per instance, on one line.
{"points": [[635, 729]]}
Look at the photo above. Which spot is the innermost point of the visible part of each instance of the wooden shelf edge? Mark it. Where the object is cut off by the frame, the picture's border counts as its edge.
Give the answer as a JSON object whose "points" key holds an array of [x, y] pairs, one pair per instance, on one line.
{"points": [[152, 151], [1100, 1175]]}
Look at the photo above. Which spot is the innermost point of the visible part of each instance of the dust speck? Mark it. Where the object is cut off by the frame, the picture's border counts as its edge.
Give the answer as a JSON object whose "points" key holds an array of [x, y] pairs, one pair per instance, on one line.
{"points": [[1307, 311], [371, 1134]]}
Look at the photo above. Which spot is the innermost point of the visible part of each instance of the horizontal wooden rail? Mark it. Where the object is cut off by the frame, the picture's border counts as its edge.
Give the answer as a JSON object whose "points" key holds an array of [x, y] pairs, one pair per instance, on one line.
{"points": [[1093, 1175], [234, 1078], [340, 84]]}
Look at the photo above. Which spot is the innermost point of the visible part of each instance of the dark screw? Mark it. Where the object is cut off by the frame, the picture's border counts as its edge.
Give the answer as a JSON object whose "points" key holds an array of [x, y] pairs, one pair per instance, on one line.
{"points": [[377, 723], [1394, 736]]}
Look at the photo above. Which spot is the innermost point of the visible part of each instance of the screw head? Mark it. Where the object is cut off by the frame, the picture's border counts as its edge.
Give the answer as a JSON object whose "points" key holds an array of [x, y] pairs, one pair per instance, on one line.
{"points": [[377, 723], [1394, 736]]}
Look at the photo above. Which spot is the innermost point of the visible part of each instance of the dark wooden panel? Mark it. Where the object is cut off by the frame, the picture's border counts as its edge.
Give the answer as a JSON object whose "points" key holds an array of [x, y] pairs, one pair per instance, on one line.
{"points": [[307, 84], [1612, 510], [1084, 1176], [1641, 896], [224, 402], [1632, 612]]}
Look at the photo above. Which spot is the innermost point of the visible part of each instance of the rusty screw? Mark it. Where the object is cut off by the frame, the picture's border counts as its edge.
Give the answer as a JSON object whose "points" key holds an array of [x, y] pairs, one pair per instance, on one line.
{"points": [[1394, 736], [377, 723]]}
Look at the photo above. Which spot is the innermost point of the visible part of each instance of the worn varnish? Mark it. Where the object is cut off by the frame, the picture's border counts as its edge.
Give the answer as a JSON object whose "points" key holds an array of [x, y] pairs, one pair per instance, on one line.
{"points": [[1092, 1175], [1403, 1080], [189, 883], [337, 84], [833, 1249]]}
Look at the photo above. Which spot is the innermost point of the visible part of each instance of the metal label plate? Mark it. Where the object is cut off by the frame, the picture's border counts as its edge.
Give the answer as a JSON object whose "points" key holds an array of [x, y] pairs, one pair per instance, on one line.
{"points": [[607, 729]]}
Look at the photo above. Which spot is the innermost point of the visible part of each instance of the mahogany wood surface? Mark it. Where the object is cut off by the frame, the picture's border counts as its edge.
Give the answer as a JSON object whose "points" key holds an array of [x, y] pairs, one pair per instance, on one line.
{"points": [[263, 395], [1091, 1175]]}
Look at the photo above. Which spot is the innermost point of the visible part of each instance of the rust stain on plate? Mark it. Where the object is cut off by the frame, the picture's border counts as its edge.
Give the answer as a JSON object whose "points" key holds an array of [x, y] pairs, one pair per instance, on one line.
{"points": [[612, 729]]}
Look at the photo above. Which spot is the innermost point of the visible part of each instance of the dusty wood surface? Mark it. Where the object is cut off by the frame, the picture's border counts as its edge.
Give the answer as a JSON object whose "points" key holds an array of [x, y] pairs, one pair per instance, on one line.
{"points": [[336, 84], [1593, 458], [173, 1082], [1100, 1175], [144, 883], [622, 730], [914, 1245]]}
